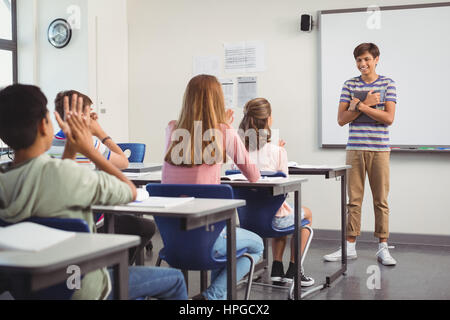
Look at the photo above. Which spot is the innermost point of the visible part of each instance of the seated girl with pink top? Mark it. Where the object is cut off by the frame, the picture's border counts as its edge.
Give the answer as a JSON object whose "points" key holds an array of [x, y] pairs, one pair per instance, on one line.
{"points": [[273, 157], [196, 147]]}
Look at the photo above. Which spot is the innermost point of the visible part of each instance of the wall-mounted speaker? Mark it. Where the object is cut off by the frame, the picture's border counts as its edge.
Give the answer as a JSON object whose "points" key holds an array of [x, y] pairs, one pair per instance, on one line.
{"points": [[306, 23]]}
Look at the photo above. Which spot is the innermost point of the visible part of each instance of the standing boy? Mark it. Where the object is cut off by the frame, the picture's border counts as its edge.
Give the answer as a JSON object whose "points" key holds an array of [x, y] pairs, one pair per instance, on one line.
{"points": [[373, 97]]}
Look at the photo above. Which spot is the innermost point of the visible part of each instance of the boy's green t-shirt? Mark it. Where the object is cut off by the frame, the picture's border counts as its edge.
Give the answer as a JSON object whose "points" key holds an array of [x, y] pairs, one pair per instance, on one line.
{"points": [[46, 187]]}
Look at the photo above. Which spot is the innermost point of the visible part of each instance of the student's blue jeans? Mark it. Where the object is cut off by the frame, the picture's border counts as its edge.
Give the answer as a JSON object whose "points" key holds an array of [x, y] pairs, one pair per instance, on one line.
{"points": [[159, 283], [244, 239]]}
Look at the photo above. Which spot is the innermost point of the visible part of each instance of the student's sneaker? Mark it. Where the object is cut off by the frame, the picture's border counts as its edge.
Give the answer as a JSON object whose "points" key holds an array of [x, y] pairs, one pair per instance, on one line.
{"points": [[383, 255], [337, 256], [305, 280], [277, 274]]}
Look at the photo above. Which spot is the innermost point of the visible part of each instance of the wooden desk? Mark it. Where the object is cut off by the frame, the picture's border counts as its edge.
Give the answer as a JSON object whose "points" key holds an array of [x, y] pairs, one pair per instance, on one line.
{"points": [[194, 214], [279, 187], [329, 173], [33, 271]]}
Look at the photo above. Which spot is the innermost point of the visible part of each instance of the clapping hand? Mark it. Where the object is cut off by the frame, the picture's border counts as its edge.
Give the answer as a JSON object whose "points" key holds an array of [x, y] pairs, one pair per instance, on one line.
{"points": [[76, 126], [96, 129], [229, 116]]}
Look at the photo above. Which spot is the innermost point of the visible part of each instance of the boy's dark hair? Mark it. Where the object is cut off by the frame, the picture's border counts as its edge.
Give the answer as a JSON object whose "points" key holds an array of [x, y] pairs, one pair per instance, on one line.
{"points": [[22, 107], [367, 47], [59, 100]]}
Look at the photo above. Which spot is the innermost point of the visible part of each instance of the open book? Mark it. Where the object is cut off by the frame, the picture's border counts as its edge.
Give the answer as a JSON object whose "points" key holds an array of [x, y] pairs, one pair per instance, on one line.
{"points": [[241, 177], [234, 177], [161, 202], [142, 168], [32, 237]]}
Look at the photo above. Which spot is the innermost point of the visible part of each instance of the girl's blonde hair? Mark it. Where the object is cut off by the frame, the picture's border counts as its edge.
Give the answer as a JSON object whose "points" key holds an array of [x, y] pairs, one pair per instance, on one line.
{"points": [[204, 102], [256, 117]]}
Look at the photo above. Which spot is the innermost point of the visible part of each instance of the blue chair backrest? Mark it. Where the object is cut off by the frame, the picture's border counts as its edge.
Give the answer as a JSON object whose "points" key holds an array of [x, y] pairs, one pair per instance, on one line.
{"points": [[261, 207], [72, 225], [189, 250], [59, 291], [137, 151]]}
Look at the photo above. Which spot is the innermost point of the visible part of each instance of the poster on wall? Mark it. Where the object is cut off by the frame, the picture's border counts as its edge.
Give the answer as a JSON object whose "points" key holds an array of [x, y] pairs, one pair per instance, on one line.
{"points": [[247, 90], [244, 57], [209, 65]]}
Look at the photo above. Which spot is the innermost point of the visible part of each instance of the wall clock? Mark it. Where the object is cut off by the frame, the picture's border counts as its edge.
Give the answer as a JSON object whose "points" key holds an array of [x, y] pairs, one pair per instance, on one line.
{"points": [[59, 33]]}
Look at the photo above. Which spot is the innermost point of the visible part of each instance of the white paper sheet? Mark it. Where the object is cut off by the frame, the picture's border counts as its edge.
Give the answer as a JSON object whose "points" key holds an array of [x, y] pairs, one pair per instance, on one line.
{"points": [[244, 57], [32, 237], [228, 92], [209, 65], [312, 166], [161, 202], [247, 90]]}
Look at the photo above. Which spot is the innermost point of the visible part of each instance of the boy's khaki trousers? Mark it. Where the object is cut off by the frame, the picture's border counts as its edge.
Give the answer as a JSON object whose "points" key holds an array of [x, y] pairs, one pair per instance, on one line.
{"points": [[376, 166]]}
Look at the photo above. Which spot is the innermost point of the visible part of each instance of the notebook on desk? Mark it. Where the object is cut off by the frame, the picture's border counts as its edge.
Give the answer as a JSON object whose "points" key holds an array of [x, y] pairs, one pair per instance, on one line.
{"points": [[241, 177], [362, 96], [295, 165], [161, 202], [31, 237], [142, 167]]}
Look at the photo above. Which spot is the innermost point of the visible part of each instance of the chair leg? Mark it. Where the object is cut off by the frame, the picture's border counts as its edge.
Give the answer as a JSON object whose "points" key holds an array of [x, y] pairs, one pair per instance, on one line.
{"points": [[203, 280], [250, 276], [158, 262], [186, 278], [311, 234]]}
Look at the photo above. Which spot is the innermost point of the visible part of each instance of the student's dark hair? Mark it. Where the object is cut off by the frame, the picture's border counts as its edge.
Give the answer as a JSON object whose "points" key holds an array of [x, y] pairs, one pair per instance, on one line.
{"points": [[59, 100], [256, 117], [367, 47], [22, 107]]}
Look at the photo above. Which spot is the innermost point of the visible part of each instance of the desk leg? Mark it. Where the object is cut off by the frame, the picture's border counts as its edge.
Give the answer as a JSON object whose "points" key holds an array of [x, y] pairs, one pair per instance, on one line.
{"points": [[231, 257], [109, 221], [344, 221], [297, 245], [343, 270], [121, 277]]}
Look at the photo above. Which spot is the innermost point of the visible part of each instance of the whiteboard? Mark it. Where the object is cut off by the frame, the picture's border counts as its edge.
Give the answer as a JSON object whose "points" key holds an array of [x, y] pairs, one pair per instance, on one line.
{"points": [[415, 52]]}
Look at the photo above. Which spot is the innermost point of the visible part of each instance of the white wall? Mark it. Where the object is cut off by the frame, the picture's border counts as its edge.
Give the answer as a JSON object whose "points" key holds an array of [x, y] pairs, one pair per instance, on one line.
{"points": [[92, 63], [40, 63], [164, 36], [108, 64]]}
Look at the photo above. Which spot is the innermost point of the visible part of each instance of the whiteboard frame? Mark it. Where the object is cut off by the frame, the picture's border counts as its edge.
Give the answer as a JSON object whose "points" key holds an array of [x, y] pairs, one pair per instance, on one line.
{"points": [[395, 148]]}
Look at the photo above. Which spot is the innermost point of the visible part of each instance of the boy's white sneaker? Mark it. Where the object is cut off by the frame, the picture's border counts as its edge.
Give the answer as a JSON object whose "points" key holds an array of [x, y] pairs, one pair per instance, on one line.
{"points": [[383, 255], [337, 256]]}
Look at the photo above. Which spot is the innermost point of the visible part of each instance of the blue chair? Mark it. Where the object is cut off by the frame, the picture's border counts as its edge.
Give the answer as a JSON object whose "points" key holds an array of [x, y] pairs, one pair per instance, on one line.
{"points": [[59, 291], [137, 156], [137, 151], [261, 207], [192, 250]]}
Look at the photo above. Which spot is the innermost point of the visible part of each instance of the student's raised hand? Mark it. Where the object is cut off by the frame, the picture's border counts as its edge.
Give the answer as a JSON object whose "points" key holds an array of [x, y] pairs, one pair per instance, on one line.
{"points": [[94, 116], [80, 138], [76, 105], [229, 116], [96, 129], [372, 99]]}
